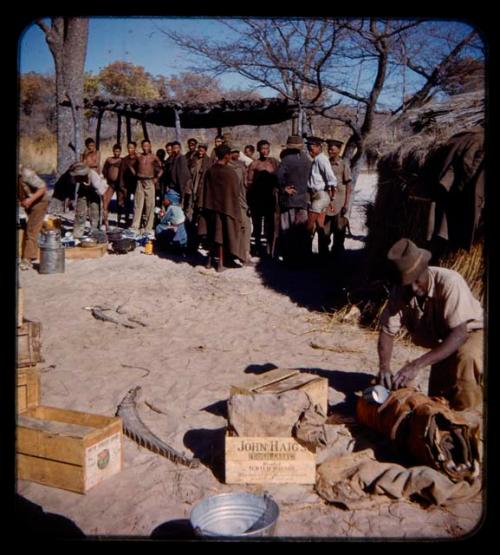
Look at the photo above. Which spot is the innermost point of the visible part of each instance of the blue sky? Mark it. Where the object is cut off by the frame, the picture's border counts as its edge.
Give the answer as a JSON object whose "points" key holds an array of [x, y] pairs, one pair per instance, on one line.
{"points": [[136, 40], [139, 40]]}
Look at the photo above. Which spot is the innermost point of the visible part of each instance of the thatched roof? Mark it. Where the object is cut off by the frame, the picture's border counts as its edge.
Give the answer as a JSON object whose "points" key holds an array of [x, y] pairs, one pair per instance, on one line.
{"points": [[225, 113], [462, 110]]}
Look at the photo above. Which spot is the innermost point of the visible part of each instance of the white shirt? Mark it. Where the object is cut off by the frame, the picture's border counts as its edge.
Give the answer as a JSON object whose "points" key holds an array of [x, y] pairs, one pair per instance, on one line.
{"points": [[321, 176]]}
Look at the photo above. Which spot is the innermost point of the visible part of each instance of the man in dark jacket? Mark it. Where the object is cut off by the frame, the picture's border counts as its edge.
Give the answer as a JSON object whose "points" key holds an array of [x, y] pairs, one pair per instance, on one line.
{"points": [[180, 177], [220, 218], [293, 175]]}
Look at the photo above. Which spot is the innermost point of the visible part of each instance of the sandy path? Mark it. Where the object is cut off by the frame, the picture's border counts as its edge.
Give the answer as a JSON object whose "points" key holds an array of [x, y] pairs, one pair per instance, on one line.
{"points": [[204, 331]]}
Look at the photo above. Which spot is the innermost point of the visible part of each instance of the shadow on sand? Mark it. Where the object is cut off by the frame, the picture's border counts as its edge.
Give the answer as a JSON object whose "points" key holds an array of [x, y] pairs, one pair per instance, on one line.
{"points": [[342, 381]]}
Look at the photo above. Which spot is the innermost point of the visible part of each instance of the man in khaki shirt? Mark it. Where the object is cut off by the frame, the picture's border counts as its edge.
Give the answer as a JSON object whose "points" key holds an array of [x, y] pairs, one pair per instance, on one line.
{"points": [[438, 309]]}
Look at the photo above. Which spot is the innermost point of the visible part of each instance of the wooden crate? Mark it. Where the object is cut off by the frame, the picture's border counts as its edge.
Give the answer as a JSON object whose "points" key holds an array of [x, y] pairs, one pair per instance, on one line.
{"points": [[80, 253], [268, 460], [28, 344], [286, 379], [68, 449], [27, 388]]}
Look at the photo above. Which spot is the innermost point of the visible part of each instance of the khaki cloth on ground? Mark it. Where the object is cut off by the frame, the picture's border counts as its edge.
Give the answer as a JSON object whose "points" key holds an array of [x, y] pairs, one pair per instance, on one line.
{"points": [[357, 481], [266, 414], [428, 430]]}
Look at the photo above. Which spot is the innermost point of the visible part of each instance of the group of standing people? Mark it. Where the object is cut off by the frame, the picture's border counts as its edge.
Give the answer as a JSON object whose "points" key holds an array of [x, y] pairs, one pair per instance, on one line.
{"points": [[225, 198]]}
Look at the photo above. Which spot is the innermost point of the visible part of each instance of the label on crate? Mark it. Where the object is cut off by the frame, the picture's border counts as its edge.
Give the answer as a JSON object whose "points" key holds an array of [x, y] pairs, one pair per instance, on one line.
{"points": [[103, 460], [278, 460]]}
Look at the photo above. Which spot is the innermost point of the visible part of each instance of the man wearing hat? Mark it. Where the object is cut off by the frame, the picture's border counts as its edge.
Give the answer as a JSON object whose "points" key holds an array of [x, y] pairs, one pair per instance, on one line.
{"points": [[293, 175], [437, 307], [32, 196], [90, 187], [339, 205], [321, 187]]}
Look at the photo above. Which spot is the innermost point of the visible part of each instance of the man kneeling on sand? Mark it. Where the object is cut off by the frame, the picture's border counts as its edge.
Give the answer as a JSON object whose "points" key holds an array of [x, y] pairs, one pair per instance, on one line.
{"points": [[438, 309]]}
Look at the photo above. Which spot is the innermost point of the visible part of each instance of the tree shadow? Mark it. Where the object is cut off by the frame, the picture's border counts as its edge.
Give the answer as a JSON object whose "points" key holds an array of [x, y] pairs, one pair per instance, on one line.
{"points": [[179, 529], [208, 446], [34, 521], [343, 381], [318, 285], [192, 258]]}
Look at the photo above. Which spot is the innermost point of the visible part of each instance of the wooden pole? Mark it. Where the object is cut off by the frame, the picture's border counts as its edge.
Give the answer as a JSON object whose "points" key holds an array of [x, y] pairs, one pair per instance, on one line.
{"points": [[129, 129], [119, 130], [177, 126], [219, 131], [98, 129], [144, 130]]}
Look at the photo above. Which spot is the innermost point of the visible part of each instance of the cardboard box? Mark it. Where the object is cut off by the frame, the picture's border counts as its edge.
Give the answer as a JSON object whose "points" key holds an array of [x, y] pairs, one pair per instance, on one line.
{"points": [[68, 449], [28, 344], [286, 379], [268, 460], [27, 388]]}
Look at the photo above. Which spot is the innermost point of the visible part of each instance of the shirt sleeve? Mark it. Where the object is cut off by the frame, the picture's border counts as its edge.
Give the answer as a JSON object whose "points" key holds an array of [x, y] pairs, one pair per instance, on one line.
{"points": [[347, 175], [326, 171], [391, 317], [459, 305], [32, 179]]}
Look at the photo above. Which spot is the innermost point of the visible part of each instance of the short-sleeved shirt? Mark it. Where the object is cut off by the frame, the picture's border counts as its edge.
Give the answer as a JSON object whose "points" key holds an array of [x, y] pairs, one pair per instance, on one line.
{"points": [[342, 172], [449, 302], [31, 182], [321, 176]]}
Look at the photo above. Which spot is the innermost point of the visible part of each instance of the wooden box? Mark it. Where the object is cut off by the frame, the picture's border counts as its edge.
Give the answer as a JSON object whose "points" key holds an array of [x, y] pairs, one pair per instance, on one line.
{"points": [[28, 388], [67, 449], [80, 253], [28, 344], [268, 460], [286, 379]]}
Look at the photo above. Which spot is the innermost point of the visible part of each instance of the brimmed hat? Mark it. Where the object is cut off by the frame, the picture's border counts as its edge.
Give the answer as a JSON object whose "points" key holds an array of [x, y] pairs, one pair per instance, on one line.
{"points": [[334, 142], [295, 141], [234, 148], [78, 169], [314, 141], [409, 259]]}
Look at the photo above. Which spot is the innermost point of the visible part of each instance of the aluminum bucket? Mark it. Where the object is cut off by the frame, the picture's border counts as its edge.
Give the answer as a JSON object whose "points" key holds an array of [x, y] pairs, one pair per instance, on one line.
{"points": [[235, 515]]}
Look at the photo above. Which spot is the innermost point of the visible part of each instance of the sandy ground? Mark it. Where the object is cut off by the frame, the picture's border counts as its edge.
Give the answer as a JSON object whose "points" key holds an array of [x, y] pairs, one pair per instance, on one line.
{"points": [[204, 332]]}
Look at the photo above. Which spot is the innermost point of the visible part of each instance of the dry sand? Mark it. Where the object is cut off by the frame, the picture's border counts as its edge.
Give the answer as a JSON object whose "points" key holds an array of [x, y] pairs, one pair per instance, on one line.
{"points": [[204, 332]]}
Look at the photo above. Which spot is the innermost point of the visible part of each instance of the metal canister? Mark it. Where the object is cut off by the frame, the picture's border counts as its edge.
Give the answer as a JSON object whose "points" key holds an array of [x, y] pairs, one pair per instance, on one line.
{"points": [[51, 252]]}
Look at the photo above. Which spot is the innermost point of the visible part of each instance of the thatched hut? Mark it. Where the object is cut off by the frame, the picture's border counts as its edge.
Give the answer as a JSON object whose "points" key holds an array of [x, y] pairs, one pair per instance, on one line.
{"points": [[431, 189]]}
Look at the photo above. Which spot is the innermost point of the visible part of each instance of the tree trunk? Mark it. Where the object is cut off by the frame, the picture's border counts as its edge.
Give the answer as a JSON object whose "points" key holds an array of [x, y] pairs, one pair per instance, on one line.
{"points": [[67, 40]]}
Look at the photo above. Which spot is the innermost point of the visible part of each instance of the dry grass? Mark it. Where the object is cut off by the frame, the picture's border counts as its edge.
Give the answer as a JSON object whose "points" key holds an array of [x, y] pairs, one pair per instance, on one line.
{"points": [[39, 154]]}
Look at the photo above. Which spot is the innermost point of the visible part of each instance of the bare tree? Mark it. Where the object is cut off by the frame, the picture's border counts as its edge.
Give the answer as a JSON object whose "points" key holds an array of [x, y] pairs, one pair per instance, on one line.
{"points": [[328, 66], [67, 40]]}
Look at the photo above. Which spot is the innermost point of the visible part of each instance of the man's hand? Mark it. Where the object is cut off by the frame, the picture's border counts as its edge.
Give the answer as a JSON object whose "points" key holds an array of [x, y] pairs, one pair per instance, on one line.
{"points": [[385, 378], [343, 211], [26, 203], [290, 190], [405, 375]]}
